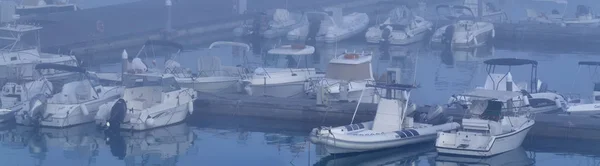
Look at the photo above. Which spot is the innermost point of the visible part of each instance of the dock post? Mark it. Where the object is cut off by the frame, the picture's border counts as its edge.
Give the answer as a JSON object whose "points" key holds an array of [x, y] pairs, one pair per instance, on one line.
{"points": [[124, 62], [343, 91], [168, 3]]}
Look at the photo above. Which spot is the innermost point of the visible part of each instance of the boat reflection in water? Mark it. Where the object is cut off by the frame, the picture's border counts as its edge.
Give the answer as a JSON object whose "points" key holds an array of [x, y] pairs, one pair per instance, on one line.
{"points": [[78, 143], [407, 155], [460, 67], [516, 157], [296, 144], [160, 146]]}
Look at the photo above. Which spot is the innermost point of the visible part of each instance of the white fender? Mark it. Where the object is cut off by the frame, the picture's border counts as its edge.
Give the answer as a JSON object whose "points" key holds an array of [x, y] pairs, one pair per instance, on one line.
{"points": [[150, 122], [84, 109], [475, 40], [493, 33], [190, 107], [150, 139], [248, 90]]}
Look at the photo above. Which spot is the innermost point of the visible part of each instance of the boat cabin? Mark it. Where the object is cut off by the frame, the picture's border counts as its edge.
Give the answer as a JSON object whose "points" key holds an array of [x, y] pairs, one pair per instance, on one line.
{"points": [[289, 56], [350, 67], [488, 107], [77, 88], [146, 90]]}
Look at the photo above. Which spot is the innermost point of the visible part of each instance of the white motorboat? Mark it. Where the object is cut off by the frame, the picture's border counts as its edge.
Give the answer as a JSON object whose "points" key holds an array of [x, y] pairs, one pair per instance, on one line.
{"points": [[14, 96], [584, 16], [281, 23], [162, 145], [38, 7], [19, 58], [282, 75], [211, 75], [489, 11], [346, 79], [330, 28], [495, 122], [392, 127], [466, 32], [401, 27], [578, 106], [540, 98], [76, 101], [150, 100]]}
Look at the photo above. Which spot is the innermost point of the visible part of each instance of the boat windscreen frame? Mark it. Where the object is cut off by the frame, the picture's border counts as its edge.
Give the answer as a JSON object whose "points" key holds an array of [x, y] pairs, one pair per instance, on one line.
{"points": [[452, 8], [593, 75], [510, 62]]}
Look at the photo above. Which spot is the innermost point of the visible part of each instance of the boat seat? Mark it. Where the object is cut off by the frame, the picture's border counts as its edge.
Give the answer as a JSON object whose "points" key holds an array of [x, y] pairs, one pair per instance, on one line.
{"points": [[476, 124]]}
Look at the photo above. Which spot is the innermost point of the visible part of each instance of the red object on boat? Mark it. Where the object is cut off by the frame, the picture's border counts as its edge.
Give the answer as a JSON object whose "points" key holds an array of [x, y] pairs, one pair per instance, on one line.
{"points": [[351, 56], [298, 46]]}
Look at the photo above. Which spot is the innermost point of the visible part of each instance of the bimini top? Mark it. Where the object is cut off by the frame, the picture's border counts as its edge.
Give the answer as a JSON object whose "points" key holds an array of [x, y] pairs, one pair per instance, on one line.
{"points": [[229, 43], [293, 50], [164, 43], [486, 94], [589, 63], [60, 67], [510, 62]]}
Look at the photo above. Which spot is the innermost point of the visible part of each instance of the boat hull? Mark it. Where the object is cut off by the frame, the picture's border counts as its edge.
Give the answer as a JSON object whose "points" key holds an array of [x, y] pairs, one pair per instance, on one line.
{"points": [[396, 41], [498, 145], [75, 116], [291, 89], [351, 142], [167, 117], [224, 86]]}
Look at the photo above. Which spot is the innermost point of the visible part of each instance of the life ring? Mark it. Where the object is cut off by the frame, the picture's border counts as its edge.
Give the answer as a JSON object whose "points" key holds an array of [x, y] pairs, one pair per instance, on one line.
{"points": [[100, 26], [351, 56]]}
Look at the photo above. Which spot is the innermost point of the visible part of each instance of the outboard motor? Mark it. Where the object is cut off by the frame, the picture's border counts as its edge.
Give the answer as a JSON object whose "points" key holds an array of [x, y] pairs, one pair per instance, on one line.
{"points": [[448, 35], [117, 115], [314, 26], [37, 109], [386, 34]]}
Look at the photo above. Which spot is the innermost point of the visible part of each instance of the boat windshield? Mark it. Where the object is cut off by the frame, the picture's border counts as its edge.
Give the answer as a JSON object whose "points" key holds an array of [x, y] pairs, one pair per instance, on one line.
{"points": [[18, 38], [168, 84], [75, 89], [284, 61]]}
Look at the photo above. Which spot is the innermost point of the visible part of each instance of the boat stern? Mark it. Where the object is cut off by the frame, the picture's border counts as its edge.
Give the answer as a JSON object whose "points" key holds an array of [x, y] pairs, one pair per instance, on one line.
{"points": [[463, 143]]}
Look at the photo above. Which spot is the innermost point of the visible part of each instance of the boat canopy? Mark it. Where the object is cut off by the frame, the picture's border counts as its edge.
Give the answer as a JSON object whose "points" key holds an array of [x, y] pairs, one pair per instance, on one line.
{"points": [[229, 43], [453, 9], [341, 71], [165, 43], [510, 62], [60, 67], [293, 50], [589, 63]]}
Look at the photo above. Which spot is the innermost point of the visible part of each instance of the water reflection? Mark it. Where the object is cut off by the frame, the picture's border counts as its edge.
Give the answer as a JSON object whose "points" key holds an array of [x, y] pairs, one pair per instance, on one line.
{"points": [[408, 155], [159, 146], [516, 157]]}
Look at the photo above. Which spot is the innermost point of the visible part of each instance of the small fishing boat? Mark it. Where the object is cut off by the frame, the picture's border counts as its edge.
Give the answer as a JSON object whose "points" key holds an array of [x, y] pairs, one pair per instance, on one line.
{"points": [[19, 57], [495, 122], [584, 16], [14, 96], [401, 27], [330, 26], [282, 75], [281, 23], [75, 101], [540, 98], [211, 75], [578, 106], [392, 127], [346, 79], [40, 7], [466, 32], [150, 100]]}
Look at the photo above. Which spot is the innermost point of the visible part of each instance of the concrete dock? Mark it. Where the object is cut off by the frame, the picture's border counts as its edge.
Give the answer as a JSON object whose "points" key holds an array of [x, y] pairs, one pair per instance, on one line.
{"points": [[335, 114]]}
